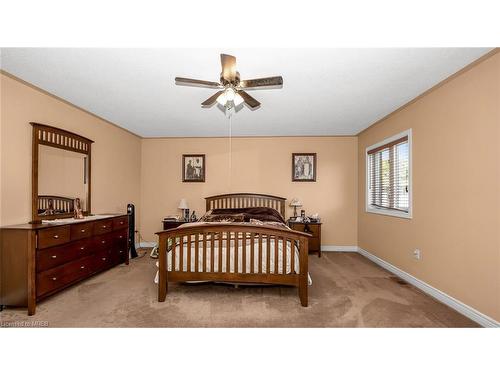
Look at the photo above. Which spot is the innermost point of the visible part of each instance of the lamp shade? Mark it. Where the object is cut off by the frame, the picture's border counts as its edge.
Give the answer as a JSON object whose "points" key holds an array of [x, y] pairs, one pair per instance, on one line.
{"points": [[295, 203], [183, 204]]}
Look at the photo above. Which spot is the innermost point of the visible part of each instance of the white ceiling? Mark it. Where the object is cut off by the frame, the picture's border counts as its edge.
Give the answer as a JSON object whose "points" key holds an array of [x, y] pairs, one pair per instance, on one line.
{"points": [[325, 91]]}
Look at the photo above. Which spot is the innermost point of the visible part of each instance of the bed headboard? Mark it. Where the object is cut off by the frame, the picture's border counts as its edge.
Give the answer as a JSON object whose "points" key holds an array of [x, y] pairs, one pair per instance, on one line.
{"points": [[244, 200], [60, 204]]}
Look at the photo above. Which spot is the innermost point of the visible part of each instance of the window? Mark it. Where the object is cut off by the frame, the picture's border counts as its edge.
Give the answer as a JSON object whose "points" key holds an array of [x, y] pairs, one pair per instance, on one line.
{"points": [[388, 176]]}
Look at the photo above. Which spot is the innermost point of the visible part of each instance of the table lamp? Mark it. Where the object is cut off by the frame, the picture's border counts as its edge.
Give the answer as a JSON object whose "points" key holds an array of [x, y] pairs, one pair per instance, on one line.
{"points": [[295, 203], [183, 205]]}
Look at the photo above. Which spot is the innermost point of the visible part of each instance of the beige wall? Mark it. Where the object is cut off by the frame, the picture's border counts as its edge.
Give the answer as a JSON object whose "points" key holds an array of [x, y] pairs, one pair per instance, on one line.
{"points": [[258, 165], [116, 154], [456, 189]]}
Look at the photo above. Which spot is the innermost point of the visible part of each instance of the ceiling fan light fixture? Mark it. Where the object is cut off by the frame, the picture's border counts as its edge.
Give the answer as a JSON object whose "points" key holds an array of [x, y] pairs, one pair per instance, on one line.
{"points": [[230, 94], [229, 97], [237, 99], [221, 99]]}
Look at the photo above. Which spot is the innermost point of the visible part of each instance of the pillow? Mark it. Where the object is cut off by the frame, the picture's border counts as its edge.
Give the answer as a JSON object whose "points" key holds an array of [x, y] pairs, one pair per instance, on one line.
{"points": [[207, 214], [255, 221], [231, 218], [257, 213]]}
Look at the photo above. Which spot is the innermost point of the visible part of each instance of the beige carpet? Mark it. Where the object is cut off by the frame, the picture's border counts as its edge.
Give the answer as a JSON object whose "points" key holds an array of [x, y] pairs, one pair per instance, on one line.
{"points": [[348, 291]]}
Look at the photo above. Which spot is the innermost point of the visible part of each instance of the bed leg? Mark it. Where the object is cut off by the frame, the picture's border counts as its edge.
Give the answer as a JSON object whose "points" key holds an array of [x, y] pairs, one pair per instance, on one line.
{"points": [[303, 293], [303, 252], [162, 279]]}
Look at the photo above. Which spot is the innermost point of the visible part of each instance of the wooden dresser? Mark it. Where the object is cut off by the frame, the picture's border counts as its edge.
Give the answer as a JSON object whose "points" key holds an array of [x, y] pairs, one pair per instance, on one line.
{"points": [[314, 229], [37, 260]]}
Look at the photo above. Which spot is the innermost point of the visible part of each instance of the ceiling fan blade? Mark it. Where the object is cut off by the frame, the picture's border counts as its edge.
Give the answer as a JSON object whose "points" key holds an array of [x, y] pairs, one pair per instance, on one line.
{"points": [[196, 82], [248, 99], [212, 99], [262, 82], [228, 63]]}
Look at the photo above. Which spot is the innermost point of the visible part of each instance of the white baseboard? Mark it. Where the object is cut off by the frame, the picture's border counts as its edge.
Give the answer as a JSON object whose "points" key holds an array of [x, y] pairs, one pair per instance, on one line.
{"points": [[344, 249], [455, 304]]}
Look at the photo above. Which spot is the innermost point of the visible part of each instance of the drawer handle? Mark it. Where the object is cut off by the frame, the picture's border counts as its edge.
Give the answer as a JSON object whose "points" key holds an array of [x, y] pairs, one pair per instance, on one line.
{"points": [[104, 227], [103, 258], [54, 278], [82, 248], [121, 251], [82, 267], [121, 222], [56, 236], [54, 256], [103, 241], [120, 237], [82, 230]]}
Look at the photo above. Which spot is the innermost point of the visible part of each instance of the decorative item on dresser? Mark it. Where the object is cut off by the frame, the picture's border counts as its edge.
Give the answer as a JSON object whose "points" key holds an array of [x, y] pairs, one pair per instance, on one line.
{"points": [[314, 229], [38, 260]]}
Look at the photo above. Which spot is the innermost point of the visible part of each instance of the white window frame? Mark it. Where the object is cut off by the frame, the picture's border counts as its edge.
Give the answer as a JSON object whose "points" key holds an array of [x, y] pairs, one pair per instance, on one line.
{"points": [[388, 211]]}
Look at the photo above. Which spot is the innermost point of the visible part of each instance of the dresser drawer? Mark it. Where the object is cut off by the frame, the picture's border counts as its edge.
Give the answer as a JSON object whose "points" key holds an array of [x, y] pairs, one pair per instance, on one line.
{"points": [[103, 242], [120, 222], [118, 256], [82, 230], [119, 238], [53, 236], [102, 260], [59, 277], [103, 226], [313, 229], [57, 255]]}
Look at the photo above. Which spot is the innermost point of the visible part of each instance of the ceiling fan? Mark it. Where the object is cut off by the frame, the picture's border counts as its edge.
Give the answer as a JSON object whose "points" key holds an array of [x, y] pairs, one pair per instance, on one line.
{"points": [[231, 93]]}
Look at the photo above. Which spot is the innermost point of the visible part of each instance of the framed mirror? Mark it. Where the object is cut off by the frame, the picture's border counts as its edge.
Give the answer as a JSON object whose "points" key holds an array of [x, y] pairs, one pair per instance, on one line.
{"points": [[61, 173]]}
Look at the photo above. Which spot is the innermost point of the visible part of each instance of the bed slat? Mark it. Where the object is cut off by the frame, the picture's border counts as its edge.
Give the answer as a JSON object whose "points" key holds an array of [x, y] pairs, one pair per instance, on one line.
{"points": [[252, 253], [228, 251], [268, 254], [219, 266], [196, 251], [189, 249], [181, 254], [276, 257]]}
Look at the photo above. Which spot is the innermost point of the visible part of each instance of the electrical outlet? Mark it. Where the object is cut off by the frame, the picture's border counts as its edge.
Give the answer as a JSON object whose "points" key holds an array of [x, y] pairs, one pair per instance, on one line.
{"points": [[417, 254]]}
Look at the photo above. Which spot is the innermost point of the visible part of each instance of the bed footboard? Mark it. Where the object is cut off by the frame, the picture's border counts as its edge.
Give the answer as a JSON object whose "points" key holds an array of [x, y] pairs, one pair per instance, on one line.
{"points": [[233, 253]]}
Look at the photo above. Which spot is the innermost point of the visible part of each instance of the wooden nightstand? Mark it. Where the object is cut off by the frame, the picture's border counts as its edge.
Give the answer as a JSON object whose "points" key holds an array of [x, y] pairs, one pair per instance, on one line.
{"points": [[170, 224], [313, 229]]}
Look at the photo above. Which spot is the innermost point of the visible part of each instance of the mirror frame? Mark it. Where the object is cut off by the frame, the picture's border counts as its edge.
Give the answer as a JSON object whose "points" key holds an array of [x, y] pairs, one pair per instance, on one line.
{"points": [[54, 137]]}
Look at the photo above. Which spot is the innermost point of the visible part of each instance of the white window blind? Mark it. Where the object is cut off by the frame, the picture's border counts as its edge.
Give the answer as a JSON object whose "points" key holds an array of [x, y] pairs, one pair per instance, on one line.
{"points": [[389, 176]]}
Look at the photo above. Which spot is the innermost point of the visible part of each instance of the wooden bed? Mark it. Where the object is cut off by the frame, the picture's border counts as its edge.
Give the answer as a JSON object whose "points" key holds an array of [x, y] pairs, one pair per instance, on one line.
{"points": [[235, 252]]}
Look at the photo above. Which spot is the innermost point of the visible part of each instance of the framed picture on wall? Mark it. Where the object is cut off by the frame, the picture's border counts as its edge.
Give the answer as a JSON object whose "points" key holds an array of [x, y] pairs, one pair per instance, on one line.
{"points": [[304, 167], [193, 168]]}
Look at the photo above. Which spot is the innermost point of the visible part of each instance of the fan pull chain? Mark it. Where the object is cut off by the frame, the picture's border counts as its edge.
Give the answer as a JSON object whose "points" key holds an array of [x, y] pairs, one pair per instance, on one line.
{"points": [[230, 150]]}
